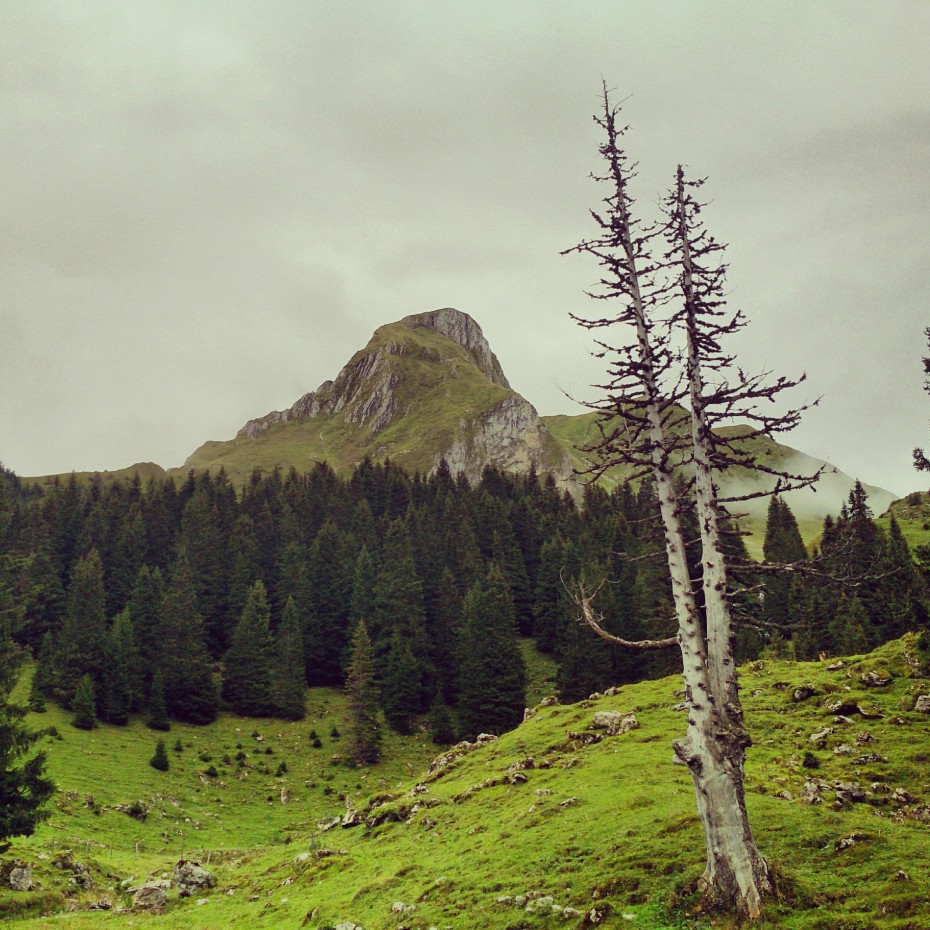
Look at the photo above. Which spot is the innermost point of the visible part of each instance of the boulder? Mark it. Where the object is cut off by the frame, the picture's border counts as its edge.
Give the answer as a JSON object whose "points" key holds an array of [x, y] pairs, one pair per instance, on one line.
{"points": [[151, 897], [21, 878], [922, 705], [614, 722], [820, 737], [803, 693], [191, 877]]}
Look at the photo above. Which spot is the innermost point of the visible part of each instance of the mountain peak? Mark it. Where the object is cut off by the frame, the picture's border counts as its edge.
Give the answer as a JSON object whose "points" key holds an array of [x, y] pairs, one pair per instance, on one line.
{"points": [[461, 328]]}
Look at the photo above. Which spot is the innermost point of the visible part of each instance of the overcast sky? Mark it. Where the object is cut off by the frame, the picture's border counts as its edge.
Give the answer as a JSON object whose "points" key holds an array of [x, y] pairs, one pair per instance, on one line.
{"points": [[209, 206]]}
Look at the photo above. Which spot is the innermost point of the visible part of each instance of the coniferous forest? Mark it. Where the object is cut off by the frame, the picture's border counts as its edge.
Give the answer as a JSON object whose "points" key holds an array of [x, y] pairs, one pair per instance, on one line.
{"points": [[174, 601]]}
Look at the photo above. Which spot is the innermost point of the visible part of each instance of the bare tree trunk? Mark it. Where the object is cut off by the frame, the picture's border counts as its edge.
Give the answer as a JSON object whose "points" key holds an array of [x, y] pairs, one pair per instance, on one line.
{"points": [[736, 870]]}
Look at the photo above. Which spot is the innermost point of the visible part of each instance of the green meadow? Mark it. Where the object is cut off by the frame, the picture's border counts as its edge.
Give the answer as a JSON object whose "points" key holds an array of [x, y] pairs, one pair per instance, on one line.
{"points": [[553, 824]]}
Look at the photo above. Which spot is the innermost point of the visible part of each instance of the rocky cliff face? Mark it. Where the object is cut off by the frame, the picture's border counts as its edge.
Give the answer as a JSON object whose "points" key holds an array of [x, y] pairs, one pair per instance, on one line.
{"points": [[433, 375]]}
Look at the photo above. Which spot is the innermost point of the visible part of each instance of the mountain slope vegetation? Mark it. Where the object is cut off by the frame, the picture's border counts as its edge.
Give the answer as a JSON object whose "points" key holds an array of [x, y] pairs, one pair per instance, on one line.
{"points": [[554, 823]]}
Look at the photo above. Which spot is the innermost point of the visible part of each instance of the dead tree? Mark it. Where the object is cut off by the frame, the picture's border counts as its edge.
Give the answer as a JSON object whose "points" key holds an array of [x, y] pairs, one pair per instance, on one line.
{"points": [[644, 428]]}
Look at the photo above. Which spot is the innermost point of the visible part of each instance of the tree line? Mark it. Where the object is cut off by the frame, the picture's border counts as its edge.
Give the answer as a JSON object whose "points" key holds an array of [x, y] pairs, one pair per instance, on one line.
{"points": [[173, 600]]}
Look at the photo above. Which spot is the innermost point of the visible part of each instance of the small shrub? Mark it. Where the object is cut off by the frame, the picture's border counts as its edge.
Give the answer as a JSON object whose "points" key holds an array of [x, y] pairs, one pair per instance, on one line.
{"points": [[334, 733], [312, 735], [211, 772], [810, 761], [282, 770], [204, 756], [317, 743], [160, 759], [178, 746]]}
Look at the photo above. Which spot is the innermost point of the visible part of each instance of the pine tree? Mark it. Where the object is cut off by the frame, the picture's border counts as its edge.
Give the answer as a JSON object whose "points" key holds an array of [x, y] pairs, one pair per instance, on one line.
{"points": [[782, 545], [400, 685], [440, 724], [122, 686], [249, 662], [289, 681], [157, 713], [80, 648], [848, 628], [362, 692], [492, 676], [24, 787], [84, 705], [160, 759], [398, 611], [190, 689], [330, 579]]}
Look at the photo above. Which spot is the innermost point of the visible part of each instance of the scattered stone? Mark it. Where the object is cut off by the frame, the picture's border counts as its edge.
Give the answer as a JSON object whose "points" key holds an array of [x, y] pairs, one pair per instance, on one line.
{"points": [[543, 792], [836, 666], [191, 878], [869, 758], [521, 764], [840, 720], [104, 904], [850, 791], [540, 905], [811, 793], [850, 840], [902, 876], [869, 711], [614, 722], [840, 706], [844, 749], [518, 778], [820, 737], [785, 795], [398, 907], [324, 825], [865, 737], [529, 713], [151, 897], [21, 878], [348, 925], [568, 802], [922, 704], [900, 796], [873, 679], [803, 693]]}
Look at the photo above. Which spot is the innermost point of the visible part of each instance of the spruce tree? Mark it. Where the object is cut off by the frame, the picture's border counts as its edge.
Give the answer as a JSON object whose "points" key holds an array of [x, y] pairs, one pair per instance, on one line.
{"points": [[160, 759], [84, 705], [190, 689], [122, 685], [157, 713], [81, 646], [398, 611], [24, 787], [400, 685], [249, 662], [492, 676], [330, 581], [289, 682], [362, 691]]}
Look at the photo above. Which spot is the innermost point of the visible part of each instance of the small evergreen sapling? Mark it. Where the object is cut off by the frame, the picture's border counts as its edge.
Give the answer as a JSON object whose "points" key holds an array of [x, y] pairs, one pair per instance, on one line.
{"points": [[84, 705], [160, 759]]}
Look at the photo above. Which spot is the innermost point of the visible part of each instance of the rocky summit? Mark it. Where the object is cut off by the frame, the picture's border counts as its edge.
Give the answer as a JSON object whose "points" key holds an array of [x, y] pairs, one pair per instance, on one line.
{"points": [[424, 388]]}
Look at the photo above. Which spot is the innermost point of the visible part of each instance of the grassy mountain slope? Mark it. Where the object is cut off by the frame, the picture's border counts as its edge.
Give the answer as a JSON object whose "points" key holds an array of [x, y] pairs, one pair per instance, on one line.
{"points": [[144, 470], [809, 506], [607, 825], [438, 394], [913, 517]]}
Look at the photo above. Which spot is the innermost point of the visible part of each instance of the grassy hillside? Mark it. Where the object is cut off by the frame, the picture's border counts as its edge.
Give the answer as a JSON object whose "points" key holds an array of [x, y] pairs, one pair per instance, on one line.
{"points": [[438, 393], [144, 470], [546, 815], [913, 516]]}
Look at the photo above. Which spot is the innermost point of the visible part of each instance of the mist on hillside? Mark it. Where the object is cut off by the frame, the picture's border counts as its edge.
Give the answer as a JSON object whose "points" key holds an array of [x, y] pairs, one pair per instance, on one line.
{"points": [[826, 496]]}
